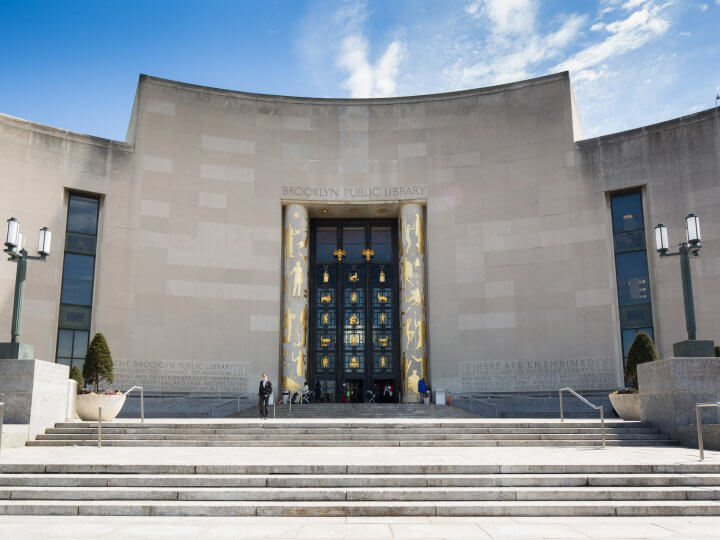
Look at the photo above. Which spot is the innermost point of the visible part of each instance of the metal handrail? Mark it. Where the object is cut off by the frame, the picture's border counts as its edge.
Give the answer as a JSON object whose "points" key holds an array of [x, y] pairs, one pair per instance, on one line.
{"points": [[238, 398], [698, 422], [2, 414], [466, 395], [596, 407], [142, 410]]}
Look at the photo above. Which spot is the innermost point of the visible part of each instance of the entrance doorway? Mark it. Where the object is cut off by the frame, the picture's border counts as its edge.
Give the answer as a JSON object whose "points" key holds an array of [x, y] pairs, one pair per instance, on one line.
{"points": [[354, 341]]}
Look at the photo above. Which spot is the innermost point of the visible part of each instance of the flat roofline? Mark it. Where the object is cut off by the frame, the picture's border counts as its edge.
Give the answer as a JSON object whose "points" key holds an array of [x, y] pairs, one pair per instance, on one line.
{"points": [[665, 125], [545, 79], [65, 134]]}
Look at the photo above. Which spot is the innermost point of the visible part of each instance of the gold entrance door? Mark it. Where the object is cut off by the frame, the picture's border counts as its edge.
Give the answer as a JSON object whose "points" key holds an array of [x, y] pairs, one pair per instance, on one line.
{"points": [[354, 345]]}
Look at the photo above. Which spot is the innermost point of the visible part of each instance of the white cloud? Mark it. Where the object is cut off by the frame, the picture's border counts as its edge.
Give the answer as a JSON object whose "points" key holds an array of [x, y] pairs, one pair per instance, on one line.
{"points": [[513, 44], [639, 28], [364, 79], [703, 7], [632, 4]]}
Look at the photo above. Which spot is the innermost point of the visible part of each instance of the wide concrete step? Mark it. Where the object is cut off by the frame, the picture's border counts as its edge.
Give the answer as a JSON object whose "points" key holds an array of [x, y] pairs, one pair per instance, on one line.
{"points": [[256, 431], [399, 423], [354, 437], [15, 480], [396, 494], [355, 443], [363, 508]]}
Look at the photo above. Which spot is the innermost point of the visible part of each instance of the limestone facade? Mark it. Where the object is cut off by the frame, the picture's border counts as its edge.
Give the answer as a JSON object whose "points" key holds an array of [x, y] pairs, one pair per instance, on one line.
{"points": [[519, 279]]}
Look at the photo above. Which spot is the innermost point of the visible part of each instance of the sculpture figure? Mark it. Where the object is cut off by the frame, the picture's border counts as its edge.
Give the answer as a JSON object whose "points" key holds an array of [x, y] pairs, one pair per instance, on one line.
{"points": [[288, 324], [298, 279]]}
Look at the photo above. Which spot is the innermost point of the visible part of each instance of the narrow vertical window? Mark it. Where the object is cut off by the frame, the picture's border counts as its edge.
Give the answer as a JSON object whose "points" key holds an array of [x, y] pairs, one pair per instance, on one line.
{"points": [[76, 292], [631, 267]]}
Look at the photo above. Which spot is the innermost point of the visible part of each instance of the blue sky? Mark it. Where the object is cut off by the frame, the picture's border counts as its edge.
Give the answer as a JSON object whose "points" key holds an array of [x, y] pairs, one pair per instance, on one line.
{"points": [[74, 64]]}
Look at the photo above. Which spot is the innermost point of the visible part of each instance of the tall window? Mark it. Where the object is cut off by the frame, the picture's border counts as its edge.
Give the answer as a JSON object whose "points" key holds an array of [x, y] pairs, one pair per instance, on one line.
{"points": [[631, 267], [77, 282]]}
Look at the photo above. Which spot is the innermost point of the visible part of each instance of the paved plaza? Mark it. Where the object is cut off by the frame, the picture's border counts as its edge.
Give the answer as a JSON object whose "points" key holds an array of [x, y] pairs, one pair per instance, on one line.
{"points": [[431, 528]]}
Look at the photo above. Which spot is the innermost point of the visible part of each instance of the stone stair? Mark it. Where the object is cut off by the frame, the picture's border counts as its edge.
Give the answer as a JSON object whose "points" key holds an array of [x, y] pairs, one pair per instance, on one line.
{"points": [[360, 410], [360, 490], [398, 432]]}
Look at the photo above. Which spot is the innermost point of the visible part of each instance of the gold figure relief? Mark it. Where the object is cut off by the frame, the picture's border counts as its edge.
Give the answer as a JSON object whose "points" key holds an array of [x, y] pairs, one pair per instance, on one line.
{"points": [[325, 362], [353, 277], [288, 325], [409, 332], [383, 341], [326, 276], [354, 364], [353, 297], [299, 362], [326, 299], [325, 341], [368, 253], [354, 340], [382, 318], [354, 319], [406, 236], [420, 331], [407, 270], [290, 235], [412, 382], [383, 362], [382, 276], [339, 253], [326, 318], [298, 279], [382, 298], [415, 297], [304, 325], [419, 235], [417, 262]]}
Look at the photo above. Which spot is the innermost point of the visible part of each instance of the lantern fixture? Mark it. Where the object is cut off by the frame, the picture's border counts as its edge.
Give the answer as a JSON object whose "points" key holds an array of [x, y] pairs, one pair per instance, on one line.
{"points": [[11, 236], [661, 239], [692, 229], [44, 241]]}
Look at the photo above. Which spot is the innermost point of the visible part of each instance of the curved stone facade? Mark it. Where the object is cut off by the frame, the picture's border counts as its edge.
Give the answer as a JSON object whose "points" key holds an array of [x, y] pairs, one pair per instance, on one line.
{"points": [[194, 278]]}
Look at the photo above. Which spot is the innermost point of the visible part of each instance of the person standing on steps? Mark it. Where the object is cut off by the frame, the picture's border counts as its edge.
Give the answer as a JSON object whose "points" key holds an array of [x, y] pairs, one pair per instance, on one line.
{"points": [[264, 392]]}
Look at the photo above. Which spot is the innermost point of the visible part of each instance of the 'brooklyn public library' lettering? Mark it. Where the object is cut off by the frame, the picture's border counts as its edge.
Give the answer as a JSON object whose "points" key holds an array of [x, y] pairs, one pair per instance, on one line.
{"points": [[365, 193]]}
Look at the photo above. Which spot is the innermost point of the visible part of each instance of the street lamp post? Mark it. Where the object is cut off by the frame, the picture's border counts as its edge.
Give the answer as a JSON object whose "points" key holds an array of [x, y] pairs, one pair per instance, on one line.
{"points": [[692, 347], [14, 247]]}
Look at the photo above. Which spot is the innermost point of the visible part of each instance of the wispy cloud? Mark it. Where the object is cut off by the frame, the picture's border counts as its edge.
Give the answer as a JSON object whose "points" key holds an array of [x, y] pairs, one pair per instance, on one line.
{"points": [[513, 45], [625, 35], [350, 51]]}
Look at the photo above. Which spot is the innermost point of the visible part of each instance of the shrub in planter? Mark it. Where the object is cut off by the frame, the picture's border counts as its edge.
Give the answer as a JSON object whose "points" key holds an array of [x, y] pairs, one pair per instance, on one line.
{"points": [[76, 375], [98, 362], [717, 350], [642, 350]]}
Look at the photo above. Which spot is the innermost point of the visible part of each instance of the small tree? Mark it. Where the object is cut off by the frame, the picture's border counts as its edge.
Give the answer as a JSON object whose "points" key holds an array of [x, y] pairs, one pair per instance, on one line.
{"points": [[642, 350], [98, 362], [76, 375]]}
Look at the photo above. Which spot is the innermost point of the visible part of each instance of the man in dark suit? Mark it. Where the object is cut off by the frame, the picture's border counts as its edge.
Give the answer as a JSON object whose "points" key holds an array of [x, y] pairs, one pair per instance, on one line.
{"points": [[264, 395]]}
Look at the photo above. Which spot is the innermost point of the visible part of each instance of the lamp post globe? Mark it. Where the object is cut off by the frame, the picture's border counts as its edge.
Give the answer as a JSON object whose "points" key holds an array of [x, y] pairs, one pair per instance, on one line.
{"points": [[661, 238], [11, 235], [693, 229], [44, 242]]}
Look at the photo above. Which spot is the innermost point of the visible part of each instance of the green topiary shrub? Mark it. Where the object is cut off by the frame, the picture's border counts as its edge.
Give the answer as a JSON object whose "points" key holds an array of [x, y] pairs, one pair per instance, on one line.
{"points": [[76, 375], [642, 350], [98, 362], [717, 350]]}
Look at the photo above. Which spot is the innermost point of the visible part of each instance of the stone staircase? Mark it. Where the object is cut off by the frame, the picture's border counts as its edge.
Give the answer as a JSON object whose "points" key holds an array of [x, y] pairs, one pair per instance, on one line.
{"points": [[360, 410], [360, 490], [399, 432]]}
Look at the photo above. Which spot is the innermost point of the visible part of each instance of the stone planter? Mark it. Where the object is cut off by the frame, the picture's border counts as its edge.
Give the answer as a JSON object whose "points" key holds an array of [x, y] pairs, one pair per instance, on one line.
{"points": [[88, 404], [626, 405]]}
